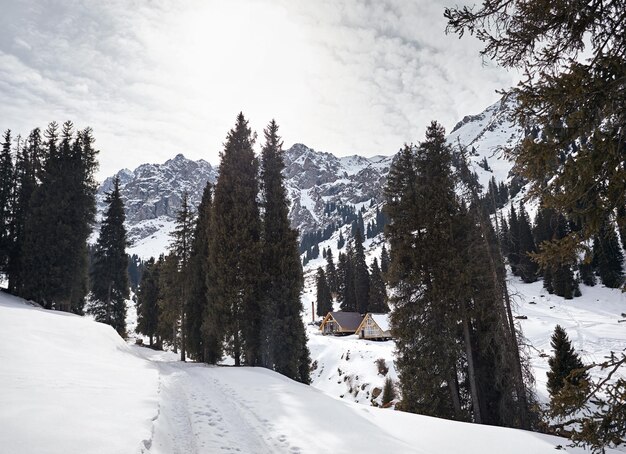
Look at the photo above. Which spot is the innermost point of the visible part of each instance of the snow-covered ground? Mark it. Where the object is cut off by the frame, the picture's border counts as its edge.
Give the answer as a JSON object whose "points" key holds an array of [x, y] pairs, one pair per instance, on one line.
{"points": [[346, 367], [71, 385]]}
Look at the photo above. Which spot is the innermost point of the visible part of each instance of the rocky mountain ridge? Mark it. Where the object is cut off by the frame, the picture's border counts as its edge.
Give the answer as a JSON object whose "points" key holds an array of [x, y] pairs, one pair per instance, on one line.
{"points": [[152, 192]]}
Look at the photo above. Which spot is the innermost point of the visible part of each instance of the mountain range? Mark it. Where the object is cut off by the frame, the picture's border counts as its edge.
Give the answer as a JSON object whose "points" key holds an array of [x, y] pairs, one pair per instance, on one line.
{"points": [[152, 192]]}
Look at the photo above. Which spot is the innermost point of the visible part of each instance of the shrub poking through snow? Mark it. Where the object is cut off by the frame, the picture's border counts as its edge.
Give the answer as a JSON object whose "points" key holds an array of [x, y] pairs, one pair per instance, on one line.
{"points": [[389, 392], [381, 364]]}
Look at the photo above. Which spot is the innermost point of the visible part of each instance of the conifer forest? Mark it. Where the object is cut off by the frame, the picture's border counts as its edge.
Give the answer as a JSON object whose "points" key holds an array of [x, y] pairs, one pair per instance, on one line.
{"points": [[457, 288]]}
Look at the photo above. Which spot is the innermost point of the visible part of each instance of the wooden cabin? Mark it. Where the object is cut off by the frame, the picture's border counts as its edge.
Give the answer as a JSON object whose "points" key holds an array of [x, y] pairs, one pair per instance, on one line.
{"points": [[374, 326], [341, 323]]}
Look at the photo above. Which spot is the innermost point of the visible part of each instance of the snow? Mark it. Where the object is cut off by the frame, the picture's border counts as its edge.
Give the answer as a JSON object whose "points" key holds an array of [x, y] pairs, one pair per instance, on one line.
{"points": [[69, 384], [490, 133], [382, 320], [591, 322], [307, 202], [158, 242]]}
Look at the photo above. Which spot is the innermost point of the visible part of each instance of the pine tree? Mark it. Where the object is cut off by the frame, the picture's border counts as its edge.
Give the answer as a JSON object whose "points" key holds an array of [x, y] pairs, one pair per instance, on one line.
{"points": [[331, 272], [200, 347], [361, 275], [55, 257], [420, 205], [378, 292], [513, 243], [237, 247], [6, 198], [181, 249], [608, 257], [558, 279], [389, 392], [563, 363], [25, 184], [324, 300], [345, 274], [109, 279], [574, 59], [457, 351], [526, 266], [384, 261], [168, 301], [285, 351], [147, 301], [341, 241]]}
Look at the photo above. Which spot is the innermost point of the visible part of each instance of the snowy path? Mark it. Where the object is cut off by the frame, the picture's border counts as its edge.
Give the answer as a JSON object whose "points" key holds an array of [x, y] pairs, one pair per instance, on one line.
{"points": [[206, 409], [199, 413]]}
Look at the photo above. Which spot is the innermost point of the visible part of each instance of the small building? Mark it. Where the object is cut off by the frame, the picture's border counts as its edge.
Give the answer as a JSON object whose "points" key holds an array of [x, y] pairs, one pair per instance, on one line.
{"points": [[341, 323], [374, 326]]}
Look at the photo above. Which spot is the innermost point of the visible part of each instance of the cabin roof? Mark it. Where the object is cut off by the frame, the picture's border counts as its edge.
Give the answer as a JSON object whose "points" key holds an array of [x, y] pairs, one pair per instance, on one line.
{"points": [[347, 320], [382, 320]]}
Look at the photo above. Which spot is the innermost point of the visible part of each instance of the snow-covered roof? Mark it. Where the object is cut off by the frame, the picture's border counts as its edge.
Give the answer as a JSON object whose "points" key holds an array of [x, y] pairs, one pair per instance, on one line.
{"points": [[382, 320]]}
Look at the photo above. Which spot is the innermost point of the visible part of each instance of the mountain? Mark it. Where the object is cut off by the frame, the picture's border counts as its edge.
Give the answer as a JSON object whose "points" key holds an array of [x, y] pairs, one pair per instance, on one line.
{"points": [[152, 196], [314, 180]]}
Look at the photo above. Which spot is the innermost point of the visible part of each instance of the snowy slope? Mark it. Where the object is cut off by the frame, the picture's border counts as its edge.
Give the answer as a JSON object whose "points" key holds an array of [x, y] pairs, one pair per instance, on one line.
{"points": [[345, 366], [68, 384], [489, 134]]}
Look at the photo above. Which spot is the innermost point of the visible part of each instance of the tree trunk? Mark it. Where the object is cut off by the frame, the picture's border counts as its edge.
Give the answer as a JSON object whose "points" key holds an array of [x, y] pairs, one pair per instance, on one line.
{"points": [[469, 351], [174, 337], [453, 386], [182, 336], [236, 349]]}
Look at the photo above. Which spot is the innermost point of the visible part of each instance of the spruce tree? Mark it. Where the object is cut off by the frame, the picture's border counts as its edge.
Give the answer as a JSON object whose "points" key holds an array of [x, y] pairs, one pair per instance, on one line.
{"points": [[25, 184], [384, 261], [324, 300], [420, 206], [237, 246], [401, 207], [573, 54], [168, 301], [286, 351], [109, 279], [147, 301], [457, 351], [378, 291], [197, 344], [345, 273], [557, 278], [361, 275], [513, 243], [608, 257], [526, 266], [181, 249], [331, 272], [389, 392], [6, 202], [563, 363], [55, 258]]}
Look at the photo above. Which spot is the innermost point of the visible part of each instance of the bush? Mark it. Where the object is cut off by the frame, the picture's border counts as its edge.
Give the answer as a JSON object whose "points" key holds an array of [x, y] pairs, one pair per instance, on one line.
{"points": [[381, 364]]}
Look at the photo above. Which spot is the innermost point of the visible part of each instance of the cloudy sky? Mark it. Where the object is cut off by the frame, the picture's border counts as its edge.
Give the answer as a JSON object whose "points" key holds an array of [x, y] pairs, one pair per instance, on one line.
{"points": [[154, 78]]}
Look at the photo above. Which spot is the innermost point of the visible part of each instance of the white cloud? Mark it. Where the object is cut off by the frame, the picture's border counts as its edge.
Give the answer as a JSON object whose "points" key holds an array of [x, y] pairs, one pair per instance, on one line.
{"points": [[158, 78]]}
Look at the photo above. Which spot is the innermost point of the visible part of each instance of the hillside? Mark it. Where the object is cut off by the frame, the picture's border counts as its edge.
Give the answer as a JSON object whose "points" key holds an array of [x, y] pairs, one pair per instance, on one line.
{"points": [[69, 384], [345, 366]]}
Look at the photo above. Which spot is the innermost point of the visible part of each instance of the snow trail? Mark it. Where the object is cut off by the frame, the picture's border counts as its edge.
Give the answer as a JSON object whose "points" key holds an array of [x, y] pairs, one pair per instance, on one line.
{"points": [[199, 413]]}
